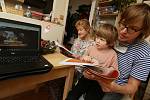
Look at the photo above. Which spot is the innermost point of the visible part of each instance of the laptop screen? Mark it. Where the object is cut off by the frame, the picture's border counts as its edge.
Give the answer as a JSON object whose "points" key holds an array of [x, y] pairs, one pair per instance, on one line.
{"points": [[19, 38]]}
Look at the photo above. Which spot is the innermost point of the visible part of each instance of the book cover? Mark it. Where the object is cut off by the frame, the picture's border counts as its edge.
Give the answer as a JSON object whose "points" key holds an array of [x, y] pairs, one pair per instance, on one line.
{"points": [[107, 73], [64, 50]]}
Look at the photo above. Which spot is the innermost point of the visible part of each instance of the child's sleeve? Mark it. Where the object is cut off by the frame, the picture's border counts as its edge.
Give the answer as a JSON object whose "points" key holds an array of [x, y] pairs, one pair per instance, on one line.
{"points": [[114, 61]]}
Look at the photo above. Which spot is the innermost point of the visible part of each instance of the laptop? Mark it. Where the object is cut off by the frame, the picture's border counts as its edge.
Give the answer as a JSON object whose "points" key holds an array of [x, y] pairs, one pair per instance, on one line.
{"points": [[20, 49]]}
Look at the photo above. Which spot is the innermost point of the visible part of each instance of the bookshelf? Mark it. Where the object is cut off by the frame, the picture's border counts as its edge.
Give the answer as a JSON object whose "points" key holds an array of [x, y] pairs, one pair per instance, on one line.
{"points": [[102, 12]]}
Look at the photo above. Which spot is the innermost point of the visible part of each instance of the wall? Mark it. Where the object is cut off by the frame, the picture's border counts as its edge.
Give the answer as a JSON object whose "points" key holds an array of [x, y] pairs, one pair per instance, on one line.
{"points": [[60, 7]]}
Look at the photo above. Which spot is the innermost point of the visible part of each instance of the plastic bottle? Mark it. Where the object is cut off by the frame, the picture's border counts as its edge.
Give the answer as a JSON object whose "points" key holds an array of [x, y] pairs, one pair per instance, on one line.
{"points": [[28, 12]]}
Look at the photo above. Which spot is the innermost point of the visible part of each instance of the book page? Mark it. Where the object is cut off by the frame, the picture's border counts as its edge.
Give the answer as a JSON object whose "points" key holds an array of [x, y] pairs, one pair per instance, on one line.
{"points": [[72, 61]]}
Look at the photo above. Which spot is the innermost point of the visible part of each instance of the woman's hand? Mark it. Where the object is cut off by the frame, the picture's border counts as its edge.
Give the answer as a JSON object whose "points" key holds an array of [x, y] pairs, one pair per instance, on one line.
{"points": [[109, 85], [87, 74], [106, 84]]}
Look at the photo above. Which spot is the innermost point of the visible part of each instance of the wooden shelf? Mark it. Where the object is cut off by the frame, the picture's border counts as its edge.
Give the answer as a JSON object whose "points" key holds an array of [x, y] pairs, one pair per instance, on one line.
{"points": [[105, 2], [104, 7], [109, 15]]}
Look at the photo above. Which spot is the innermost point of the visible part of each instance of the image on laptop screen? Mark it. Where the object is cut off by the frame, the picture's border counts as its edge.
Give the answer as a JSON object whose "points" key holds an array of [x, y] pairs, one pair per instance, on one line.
{"points": [[19, 37]]}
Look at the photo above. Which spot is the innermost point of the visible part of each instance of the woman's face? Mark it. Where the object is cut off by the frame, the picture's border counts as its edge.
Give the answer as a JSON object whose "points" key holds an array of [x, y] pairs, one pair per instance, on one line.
{"points": [[129, 33], [101, 43], [82, 33]]}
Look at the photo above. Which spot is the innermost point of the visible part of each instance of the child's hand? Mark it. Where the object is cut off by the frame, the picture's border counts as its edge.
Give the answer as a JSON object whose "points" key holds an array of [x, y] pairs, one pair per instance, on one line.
{"points": [[86, 59], [95, 62]]}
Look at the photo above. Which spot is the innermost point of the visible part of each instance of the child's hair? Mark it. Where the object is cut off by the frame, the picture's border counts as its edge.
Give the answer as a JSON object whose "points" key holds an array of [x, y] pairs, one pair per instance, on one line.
{"points": [[108, 32], [86, 25]]}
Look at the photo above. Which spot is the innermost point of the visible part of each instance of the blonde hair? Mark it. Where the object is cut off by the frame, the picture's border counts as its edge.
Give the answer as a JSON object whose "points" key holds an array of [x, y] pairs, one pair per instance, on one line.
{"points": [[108, 32], [86, 25], [141, 11]]}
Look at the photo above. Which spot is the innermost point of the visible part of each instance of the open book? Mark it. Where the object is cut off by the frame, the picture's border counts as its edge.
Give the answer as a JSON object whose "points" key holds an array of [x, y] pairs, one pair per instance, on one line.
{"points": [[72, 61], [63, 49], [107, 73]]}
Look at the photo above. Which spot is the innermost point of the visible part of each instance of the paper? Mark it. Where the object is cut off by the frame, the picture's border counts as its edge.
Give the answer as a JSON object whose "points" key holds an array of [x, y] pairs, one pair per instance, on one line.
{"points": [[72, 61]]}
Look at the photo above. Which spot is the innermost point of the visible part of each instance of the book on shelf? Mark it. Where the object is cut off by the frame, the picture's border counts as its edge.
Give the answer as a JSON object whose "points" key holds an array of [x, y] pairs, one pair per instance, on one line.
{"points": [[107, 73]]}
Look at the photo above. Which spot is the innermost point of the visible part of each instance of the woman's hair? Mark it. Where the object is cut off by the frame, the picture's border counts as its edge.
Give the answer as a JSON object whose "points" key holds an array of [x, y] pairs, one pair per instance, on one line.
{"points": [[108, 32], [86, 25], [136, 12]]}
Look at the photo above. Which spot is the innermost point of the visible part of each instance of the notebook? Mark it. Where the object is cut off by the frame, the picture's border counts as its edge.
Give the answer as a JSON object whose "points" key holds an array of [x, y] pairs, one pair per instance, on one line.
{"points": [[20, 49]]}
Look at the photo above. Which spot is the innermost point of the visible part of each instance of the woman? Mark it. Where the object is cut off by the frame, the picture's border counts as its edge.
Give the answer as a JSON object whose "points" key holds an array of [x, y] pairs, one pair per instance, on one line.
{"points": [[133, 55]]}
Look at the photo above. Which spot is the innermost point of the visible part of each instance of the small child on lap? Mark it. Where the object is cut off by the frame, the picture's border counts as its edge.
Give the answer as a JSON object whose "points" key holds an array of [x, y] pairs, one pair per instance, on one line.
{"points": [[101, 54]]}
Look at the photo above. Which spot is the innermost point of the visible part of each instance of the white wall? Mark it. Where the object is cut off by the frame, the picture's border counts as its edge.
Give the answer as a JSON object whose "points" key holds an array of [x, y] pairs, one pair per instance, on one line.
{"points": [[60, 7]]}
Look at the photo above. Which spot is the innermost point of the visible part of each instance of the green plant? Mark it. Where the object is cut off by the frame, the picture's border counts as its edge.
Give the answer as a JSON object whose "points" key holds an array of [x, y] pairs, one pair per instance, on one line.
{"points": [[121, 4]]}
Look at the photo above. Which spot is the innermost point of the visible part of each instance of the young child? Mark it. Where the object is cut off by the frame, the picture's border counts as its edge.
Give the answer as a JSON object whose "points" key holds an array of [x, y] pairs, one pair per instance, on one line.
{"points": [[84, 40], [106, 36], [100, 54]]}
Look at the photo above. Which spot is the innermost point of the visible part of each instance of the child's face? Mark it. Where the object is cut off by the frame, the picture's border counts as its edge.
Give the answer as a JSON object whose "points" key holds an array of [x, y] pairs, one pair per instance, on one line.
{"points": [[101, 43], [82, 33]]}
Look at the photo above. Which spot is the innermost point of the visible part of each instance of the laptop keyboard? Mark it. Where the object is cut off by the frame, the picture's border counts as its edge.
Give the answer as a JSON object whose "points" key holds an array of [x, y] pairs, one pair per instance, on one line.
{"points": [[18, 66], [18, 59]]}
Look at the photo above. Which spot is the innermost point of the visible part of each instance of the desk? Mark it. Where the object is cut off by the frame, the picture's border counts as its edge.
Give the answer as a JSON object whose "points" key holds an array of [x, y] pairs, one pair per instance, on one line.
{"points": [[18, 85]]}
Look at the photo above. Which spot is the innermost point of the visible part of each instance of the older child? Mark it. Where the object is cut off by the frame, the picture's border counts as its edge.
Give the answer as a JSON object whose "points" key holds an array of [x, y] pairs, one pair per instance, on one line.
{"points": [[84, 40], [102, 52]]}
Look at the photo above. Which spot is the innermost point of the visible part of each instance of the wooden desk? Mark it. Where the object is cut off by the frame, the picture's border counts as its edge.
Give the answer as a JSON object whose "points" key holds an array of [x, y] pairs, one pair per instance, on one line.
{"points": [[18, 85]]}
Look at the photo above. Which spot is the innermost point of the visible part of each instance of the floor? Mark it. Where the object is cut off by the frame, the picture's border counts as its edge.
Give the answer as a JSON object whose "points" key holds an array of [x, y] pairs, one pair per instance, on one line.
{"points": [[52, 90]]}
